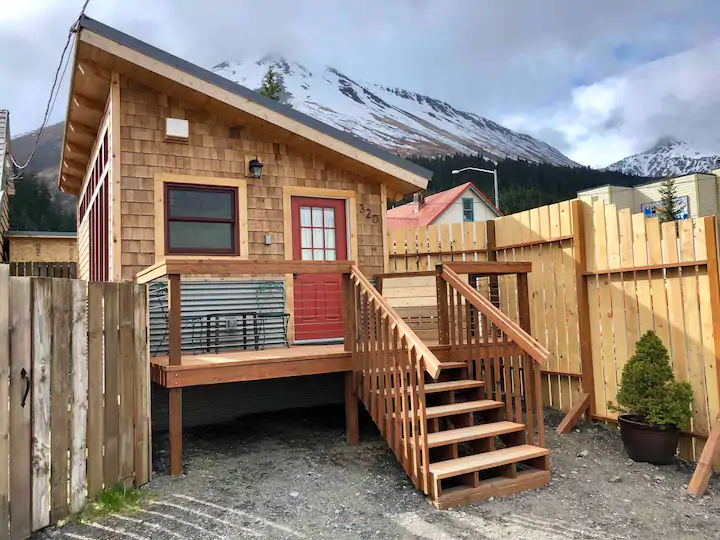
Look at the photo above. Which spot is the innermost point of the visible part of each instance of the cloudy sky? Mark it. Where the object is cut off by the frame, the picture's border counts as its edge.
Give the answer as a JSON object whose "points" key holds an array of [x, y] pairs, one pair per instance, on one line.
{"points": [[598, 80]]}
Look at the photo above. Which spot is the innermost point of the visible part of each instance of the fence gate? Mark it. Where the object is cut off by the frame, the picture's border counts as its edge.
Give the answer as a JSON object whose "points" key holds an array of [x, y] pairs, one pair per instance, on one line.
{"points": [[74, 389]]}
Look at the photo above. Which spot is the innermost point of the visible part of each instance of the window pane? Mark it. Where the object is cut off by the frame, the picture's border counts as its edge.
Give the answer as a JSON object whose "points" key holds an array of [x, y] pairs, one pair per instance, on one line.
{"points": [[317, 217], [195, 235], [307, 255], [306, 239], [329, 218], [304, 216], [318, 238], [200, 203], [329, 238], [329, 254], [319, 254]]}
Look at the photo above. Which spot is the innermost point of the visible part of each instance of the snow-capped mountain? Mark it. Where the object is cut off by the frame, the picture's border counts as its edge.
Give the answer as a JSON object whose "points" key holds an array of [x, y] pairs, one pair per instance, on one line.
{"points": [[670, 157], [403, 122]]}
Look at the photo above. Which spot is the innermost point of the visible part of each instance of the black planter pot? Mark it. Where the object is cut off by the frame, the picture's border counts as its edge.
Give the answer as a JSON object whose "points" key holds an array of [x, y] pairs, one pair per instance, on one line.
{"points": [[646, 442]]}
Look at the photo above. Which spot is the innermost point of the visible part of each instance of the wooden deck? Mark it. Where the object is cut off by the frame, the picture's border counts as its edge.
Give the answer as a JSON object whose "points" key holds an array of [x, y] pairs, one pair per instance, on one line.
{"points": [[250, 365]]}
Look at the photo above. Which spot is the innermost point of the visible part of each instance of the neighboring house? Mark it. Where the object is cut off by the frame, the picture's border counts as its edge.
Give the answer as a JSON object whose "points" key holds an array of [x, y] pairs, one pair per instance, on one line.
{"points": [[42, 246], [7, 187], [162, 156], [461, 203], [699, 194]]}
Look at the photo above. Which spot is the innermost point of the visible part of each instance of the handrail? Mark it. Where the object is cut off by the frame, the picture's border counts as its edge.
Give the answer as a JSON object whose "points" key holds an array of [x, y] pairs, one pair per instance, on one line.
{"points": [[432, 364], [524, 340]]}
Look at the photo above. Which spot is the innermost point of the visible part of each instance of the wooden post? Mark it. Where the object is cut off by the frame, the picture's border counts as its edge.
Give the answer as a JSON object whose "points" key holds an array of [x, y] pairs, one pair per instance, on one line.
{"points": [[351, 410], [442, 307], [175, 359], [583, 306], [4, 399], [492, 256], [701, 476]]}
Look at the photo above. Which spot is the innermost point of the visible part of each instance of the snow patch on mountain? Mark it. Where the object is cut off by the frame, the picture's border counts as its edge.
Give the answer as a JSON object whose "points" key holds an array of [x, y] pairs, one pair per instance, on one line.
{"points": [[403, 122], [671, 157]]}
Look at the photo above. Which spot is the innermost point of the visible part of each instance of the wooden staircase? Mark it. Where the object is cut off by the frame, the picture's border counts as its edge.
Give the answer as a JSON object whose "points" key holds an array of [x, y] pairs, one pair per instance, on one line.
{"points": [[459, 438]]}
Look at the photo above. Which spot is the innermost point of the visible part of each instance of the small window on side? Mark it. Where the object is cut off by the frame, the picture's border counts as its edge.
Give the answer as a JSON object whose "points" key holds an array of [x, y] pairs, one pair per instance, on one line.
{"points": [[468, 209]]}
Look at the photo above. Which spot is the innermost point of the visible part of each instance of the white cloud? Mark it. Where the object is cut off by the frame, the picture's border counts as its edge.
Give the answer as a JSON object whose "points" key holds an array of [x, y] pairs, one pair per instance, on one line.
{"points": [[676, 96]]}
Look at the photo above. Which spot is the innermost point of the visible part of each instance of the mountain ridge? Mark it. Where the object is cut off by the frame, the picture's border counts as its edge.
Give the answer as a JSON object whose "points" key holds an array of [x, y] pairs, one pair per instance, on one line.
{"points": [[670, 157]]}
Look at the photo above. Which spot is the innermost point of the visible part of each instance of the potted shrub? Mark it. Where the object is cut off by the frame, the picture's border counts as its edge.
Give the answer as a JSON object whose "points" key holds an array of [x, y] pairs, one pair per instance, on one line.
{"points": [[654, 405]]}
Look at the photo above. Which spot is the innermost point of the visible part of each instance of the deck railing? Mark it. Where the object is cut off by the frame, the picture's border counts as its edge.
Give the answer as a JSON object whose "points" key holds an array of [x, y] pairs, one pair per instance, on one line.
{"points": [[389, 364], [499, 351]]}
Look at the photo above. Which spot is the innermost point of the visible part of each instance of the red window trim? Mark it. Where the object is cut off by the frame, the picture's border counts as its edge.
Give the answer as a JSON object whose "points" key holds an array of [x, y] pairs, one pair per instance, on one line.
{"points": [[234, 250]]}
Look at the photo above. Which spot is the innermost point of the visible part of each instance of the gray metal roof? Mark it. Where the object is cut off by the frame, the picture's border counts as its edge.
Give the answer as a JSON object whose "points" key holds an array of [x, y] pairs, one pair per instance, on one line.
{"points": [[226, 84]]}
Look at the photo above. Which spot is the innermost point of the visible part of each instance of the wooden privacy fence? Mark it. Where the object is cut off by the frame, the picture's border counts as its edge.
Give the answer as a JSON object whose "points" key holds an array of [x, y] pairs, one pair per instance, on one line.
{"points": [[74, 389], [643, 275], [44, 269], [600, 279]]}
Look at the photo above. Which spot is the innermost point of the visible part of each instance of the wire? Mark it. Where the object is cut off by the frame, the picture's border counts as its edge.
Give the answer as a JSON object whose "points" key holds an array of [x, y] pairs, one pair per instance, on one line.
{"points": [[54, 91]]}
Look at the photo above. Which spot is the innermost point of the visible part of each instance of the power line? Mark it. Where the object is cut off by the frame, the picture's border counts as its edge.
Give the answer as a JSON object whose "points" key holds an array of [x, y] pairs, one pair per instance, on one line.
{"points": [[54, 91]]}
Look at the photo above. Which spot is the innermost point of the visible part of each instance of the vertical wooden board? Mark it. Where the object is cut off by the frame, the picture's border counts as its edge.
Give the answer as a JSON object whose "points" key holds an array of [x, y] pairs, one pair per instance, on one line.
{"points": [[629, 286], [20, 415], [445, 242], [432, 233], [111, 465], [457, 240], [60, 398], [535, 230], [600, 240], [96, 399], [706, 323], [141, 359], [693, 336], [468, 232], [571, 308], [617, 294], [127, 382], [4, 401], [423, 243], [669, 242], [78, 417], [41, 372], [612, 237], [397, 250], [596, 342], [608, 342], [589, 234], [661, 321], [414, 246], [554, 210], [522, 234], [550, 287]]}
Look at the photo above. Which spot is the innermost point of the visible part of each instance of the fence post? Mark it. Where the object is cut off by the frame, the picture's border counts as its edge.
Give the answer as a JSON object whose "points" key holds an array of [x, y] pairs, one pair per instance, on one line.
{"points": [[701, 476], [175, 359], [442, 307], [4, 400]]}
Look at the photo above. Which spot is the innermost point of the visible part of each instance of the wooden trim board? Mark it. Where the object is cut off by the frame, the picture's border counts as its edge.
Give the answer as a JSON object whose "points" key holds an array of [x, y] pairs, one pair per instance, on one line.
{"points": [[159, 208]]}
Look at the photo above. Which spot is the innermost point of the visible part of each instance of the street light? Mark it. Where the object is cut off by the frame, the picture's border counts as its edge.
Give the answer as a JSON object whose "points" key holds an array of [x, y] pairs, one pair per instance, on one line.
{"points": [[490, 171]]}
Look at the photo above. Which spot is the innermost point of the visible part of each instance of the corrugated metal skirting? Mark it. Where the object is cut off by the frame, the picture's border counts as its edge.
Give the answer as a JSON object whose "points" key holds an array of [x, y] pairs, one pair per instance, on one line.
{"points": [[227, 300]]}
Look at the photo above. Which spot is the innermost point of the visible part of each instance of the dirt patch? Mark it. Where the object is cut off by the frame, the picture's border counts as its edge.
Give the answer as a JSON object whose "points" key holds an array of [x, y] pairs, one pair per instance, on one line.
{"points": [[291, 475]]}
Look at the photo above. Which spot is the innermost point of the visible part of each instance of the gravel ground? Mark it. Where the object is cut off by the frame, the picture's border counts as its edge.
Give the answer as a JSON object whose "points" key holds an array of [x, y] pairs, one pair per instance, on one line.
{"points": [[291, 475]]}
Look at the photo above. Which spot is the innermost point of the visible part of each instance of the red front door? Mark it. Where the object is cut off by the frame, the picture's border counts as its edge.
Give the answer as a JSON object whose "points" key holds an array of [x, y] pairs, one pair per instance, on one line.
{"points": [[318, 234]]}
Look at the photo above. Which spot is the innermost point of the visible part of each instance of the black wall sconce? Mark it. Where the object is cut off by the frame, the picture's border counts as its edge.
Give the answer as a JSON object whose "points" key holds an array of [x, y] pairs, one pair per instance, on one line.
{"points": [[255, 168]]}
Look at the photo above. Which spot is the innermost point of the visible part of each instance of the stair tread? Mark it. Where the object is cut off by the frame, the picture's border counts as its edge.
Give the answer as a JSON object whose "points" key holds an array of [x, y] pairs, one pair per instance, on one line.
{"points": [[451, 364], [471, 433], [492, 487], [445, 386], [464, 407], [487, 460]]}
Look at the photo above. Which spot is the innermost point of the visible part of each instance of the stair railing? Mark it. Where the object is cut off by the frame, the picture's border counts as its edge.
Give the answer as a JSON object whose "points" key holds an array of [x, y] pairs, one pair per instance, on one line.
{"points": [[498, 351], [389, 366]]}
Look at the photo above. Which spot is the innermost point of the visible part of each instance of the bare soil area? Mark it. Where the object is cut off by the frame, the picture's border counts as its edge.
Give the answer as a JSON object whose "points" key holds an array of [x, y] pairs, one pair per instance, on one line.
{"points": [[291, 475]]}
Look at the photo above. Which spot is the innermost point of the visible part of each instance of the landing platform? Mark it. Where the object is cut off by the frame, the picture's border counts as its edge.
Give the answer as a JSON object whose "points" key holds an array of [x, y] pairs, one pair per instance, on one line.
{"points": [[250, 365]]}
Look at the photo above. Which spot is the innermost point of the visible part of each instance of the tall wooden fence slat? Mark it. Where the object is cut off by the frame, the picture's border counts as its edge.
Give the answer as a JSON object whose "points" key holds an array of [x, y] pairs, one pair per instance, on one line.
{"points": [[78, 418], [59, 390], [111, 461], [20, 407], [42, 357], [96, 396], [4, 402], [44, 269], [76, 413]]}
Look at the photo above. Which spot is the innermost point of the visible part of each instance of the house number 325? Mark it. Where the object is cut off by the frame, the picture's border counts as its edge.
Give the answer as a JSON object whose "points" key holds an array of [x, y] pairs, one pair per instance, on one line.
{"points": [[368, 214]]}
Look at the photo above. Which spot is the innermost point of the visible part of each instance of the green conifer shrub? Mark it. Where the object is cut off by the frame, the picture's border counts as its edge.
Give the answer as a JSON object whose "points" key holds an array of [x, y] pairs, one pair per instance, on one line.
{"points": [[648, 388]]}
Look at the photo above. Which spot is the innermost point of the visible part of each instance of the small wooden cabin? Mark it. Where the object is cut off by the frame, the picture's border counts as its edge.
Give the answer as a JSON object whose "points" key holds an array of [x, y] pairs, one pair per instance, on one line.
{"points": [[181, 174]]}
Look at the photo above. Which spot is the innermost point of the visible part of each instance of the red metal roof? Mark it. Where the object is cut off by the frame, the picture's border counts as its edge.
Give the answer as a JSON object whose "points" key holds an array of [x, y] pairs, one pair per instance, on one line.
{"points": [[408, 215]]}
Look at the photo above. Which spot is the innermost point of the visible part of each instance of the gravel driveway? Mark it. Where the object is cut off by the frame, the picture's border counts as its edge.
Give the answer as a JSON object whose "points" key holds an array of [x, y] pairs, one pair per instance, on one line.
{"points": [[290, 475]]}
